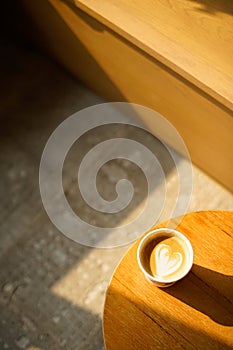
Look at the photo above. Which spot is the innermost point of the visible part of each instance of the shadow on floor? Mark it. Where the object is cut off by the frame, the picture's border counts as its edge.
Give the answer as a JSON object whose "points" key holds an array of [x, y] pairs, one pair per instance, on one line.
{"points": [[36, 96]]}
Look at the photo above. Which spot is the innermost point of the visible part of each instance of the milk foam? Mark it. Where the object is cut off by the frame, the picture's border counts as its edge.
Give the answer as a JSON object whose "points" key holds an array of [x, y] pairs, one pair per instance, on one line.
{"points": [[166, 261], [168, 257]]}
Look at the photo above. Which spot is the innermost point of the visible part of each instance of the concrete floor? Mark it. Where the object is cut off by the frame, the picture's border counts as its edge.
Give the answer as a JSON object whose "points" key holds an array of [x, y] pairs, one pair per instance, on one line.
{"points": [[52, 289]]}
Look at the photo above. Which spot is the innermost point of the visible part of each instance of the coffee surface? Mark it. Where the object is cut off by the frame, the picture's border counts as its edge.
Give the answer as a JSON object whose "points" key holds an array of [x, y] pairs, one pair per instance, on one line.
{"points": [[167, 257]]}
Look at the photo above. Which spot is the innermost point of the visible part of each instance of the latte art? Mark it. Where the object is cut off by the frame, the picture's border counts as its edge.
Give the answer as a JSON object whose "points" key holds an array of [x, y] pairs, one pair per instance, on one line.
{"points": [[166, 262], [168, 258]]}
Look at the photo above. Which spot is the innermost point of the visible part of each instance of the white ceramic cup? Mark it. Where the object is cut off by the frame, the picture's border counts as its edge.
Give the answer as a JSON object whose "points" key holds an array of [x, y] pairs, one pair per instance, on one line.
{"points": [[165, 257]]}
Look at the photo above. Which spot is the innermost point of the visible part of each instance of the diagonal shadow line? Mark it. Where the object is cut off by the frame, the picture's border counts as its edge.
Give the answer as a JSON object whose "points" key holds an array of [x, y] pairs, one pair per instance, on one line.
{"points": [[197, 293]]}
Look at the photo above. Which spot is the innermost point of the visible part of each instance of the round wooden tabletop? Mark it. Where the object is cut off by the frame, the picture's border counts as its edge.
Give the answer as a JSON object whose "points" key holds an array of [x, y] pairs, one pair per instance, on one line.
{"points": [[195, 313]]}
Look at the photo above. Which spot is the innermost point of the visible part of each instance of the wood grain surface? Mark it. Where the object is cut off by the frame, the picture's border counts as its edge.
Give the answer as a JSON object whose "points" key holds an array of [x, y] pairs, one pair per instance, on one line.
{"points": [[195, 313], [193, 38]]}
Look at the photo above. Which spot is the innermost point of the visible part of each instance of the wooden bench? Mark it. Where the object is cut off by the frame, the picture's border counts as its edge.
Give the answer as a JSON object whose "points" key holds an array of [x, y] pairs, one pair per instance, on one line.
{"points": [[173, 56]]}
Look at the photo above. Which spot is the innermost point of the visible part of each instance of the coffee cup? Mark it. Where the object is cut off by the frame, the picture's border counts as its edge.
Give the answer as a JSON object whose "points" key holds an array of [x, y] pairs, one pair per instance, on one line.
{"points": [[165, 256]]}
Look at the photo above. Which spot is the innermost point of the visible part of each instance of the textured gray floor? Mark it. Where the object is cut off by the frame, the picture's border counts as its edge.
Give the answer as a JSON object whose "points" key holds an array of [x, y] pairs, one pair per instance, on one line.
{"points": [[52, 289]]}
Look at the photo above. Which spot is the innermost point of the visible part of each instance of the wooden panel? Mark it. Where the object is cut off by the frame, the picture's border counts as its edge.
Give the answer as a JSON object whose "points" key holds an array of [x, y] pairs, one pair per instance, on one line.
{"points": [[118, 70]]}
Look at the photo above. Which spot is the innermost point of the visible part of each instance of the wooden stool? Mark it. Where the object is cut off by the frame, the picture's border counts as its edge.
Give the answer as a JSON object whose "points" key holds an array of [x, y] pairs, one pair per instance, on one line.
{"points": [[195, 313]]}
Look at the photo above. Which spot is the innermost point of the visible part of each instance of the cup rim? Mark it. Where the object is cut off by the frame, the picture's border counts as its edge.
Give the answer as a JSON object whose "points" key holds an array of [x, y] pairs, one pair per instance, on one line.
{"points": [[177, 233]]}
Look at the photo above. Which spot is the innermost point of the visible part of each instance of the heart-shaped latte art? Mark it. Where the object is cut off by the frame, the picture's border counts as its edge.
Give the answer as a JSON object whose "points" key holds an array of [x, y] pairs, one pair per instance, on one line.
{"points": [[167, 262]]}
